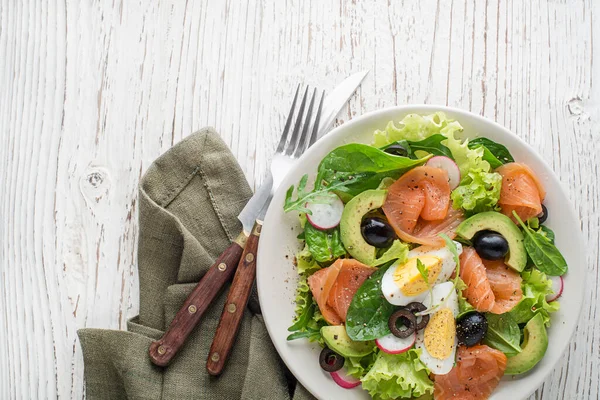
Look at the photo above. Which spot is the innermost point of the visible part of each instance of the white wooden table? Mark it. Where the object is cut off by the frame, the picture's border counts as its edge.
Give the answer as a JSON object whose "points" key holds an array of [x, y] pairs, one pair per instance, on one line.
{"points": [[92, 91]]}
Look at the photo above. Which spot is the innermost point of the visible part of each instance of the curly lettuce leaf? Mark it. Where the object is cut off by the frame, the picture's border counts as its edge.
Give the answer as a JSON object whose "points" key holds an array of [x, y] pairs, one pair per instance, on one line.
{"points": [[479, 191], [466, 158], [359, 366], [536, 286], [397, 376], [413, 127]]}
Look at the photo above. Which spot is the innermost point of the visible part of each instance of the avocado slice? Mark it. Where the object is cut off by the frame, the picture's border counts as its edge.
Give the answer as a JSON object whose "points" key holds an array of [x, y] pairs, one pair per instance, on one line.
{"points": [[337, 339], [535, 343], [494, 221], [351, 234]]}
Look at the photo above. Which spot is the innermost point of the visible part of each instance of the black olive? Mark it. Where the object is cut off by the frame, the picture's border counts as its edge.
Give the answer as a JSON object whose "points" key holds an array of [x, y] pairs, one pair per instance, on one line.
{"points": [[407, 320], [377, 232], [471, 328], [422, 320], [490, 245], [543, 216], [330, 361], [396, 150]]}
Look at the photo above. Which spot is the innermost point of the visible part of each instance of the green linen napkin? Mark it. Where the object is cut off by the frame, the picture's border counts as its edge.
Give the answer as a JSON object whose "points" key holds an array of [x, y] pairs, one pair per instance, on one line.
{"points": [[189, 201]]}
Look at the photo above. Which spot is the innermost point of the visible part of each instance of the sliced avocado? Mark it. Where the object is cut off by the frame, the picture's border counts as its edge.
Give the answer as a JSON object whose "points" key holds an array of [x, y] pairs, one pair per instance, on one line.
{"points": [[337, 339], [535, 343], [351, 234], [494, 221]]}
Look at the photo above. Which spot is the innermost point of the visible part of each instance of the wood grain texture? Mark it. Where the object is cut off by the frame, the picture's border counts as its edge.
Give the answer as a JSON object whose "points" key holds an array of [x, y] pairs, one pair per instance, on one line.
{"points": [[92, 91]]}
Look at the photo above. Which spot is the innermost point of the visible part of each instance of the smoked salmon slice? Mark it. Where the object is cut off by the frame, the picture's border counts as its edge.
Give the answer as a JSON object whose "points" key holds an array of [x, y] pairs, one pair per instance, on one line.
{"points": [[334, 287], [476, 374], [491, 285], [521, 191], [351, 276], [420, 196]]}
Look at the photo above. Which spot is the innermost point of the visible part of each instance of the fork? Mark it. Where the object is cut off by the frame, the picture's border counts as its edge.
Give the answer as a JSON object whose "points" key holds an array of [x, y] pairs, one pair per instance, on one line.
{"points": [[291, 146]]}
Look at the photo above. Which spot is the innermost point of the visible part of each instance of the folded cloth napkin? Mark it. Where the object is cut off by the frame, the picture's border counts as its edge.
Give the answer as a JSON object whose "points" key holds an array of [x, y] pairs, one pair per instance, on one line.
{"points": [[189, 201]]}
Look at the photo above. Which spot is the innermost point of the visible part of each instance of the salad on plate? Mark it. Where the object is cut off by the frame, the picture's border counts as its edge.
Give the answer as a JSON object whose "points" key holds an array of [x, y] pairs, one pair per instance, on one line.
{"points": [[425, 267]]}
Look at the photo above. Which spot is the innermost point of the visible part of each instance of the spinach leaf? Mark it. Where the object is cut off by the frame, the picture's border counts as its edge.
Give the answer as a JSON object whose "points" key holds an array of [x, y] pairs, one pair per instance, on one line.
{"points": [[547, 232], [304, 318], [503, 334], [369, 311], [303, 197], [354, 168], [433, 144], [324, 245], [544, 254], [496, 152]]}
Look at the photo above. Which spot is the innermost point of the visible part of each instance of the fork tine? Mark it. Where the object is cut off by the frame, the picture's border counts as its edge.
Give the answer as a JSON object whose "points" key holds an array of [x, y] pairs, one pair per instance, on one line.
{"points": [[315, 131], [289, 149], [286, 129], [303, 140]]}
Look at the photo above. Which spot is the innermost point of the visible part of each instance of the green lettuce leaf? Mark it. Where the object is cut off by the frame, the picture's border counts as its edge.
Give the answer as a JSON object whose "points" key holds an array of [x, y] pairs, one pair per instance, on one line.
{"points": [[413, 127], [359, 366], [306, 263], [479, 191], [324, 246], [536, 286], [397, 376], [467, 159]]}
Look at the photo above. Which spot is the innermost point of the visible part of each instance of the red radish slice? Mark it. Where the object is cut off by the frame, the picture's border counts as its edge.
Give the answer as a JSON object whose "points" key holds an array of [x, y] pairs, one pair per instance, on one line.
{"points": [[395, 345], [557, 287], [344, 380], [448, 165], [326, 214]]}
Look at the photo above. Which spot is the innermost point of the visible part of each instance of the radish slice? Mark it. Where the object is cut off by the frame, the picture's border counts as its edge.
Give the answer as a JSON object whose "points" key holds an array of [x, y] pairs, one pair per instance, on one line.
{"points": [[557, 287], [448, 165], [395, 345], [326, 214], [344, 380]]}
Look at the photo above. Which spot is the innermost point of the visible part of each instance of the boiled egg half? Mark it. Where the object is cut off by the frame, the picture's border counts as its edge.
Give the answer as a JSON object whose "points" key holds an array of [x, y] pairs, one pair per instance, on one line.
{"points": [[437, 341], [402, 283]]}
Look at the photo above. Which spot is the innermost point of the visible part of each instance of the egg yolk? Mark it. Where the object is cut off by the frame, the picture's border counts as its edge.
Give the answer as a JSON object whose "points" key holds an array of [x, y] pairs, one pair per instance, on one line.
{"points": [[408, 278], [440, 333]]}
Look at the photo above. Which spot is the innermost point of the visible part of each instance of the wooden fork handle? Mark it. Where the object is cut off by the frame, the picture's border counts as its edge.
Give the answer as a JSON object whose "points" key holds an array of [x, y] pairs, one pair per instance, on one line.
{"points": [[163, 350], [236, 302]]}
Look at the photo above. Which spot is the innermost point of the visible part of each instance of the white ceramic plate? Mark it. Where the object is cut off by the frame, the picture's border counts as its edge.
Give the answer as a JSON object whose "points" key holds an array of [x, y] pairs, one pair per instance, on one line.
{"points": [[276, 275]]}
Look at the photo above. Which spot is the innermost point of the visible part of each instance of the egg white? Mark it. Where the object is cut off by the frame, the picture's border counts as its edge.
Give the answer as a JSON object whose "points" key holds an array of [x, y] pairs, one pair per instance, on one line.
{"points": [[392, 292], [443, 292]]}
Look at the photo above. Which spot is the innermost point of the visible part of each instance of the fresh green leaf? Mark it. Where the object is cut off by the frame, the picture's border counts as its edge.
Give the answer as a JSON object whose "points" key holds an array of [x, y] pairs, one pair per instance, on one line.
{"points": [[394, 376], [359, 366], [304, 318], [544, 254], [536, 286], [306, 263], [533, 223], [466, 158], [503, 334], [547, 232], [478, 192], [432, 144], [312, 335], [324, 245], [413, 127], [303, 197], [369, 311], [496, 150], [423, 271]]}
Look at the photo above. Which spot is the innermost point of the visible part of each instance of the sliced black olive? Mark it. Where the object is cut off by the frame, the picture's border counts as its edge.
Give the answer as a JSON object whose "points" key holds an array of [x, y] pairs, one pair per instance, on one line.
{"points": [[330, 361], [543, 216], [402, 323], [422, 320], [490, 245], [377, 232], [471, 328], [396, 150]]}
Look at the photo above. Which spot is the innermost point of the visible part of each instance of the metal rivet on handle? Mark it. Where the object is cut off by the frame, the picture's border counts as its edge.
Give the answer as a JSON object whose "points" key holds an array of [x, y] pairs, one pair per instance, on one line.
{"points": [[231, 308], [215, 357], [249, 257], [222, 267], [161, 350], [192, 309]]}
